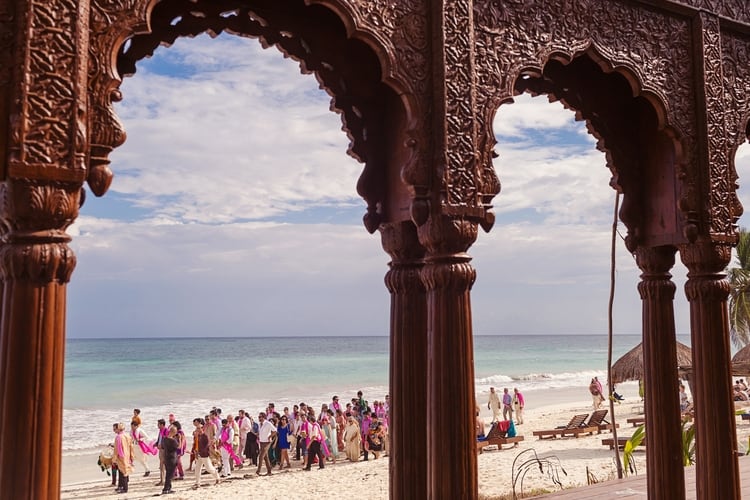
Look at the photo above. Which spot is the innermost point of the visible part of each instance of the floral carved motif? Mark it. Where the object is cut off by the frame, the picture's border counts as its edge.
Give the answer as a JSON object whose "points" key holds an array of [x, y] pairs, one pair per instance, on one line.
{"points": [[721, 195], [735, 51], [401, 28], [48, 127], [42, 81], [651, 48], [112, 21]]}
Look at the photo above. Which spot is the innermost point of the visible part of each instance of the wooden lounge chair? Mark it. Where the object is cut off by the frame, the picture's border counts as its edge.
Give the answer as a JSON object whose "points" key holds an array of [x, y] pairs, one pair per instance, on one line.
{"points": [[620, 442], [496, 437], [598, 423], [575, 427], [636, 421]]}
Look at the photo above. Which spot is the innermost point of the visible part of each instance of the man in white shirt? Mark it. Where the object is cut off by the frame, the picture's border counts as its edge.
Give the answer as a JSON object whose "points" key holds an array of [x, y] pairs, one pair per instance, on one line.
{"points": [[265, 433], [245, 427], [493, 403]]}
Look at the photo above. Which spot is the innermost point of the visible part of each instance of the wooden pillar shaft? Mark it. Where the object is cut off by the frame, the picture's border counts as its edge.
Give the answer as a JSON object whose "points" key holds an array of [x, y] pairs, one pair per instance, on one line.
{"points": [[665, 476], [408, 363], [451, 405], [32, 353], [717, 470]]}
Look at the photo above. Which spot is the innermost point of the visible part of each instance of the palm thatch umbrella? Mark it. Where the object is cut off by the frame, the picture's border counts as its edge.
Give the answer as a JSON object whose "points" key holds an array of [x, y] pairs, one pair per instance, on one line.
{"points": [[741, 362], [630, 364]]}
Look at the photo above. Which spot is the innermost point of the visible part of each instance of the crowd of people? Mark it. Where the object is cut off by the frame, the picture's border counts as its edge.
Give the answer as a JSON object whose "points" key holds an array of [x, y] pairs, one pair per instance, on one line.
{"points": [[221, 445], [510, 404]]}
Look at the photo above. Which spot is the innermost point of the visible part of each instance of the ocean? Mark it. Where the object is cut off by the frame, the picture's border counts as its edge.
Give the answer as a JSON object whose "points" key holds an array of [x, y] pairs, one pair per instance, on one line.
{"points": [[106, 378]]}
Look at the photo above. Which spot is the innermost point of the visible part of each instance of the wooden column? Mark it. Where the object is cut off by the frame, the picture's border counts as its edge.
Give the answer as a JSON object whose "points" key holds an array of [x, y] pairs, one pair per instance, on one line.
{"points": [[665, 475], [451, 405], [35, 265], [408, 367], [43, 124], [717, 471]]}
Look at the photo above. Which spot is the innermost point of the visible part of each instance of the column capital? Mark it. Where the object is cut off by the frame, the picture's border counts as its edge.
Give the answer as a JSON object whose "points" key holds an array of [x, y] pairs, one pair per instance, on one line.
{"points": [[33, 219], [706, 258], [447, 265], [656, 281], [706, 263], [401, 242]]}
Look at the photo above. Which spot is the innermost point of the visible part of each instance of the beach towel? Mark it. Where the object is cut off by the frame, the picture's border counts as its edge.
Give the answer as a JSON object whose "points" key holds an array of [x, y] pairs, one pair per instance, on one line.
{"points": [[511, 429]]}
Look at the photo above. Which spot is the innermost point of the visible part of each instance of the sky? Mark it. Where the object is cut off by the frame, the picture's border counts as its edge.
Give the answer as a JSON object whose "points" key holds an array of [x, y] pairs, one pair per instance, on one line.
{"points": [[234, 212]]}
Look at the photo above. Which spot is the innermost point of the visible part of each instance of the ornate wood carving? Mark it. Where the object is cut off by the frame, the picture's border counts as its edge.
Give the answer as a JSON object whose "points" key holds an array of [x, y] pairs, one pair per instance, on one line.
{"points": [[8, 31], [735, 51], [721, 198], [48, 132], [650, 48], [396, 32], [402, 41]]}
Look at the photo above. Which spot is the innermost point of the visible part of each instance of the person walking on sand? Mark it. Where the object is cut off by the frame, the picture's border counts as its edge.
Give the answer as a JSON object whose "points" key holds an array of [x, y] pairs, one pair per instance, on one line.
{"points": [[161, 434], [170, 445], [352, 439], [266, 432], [507, 405], [245, 426], [596, 395], [226, 438], [493, 403], [203, 454], [518, 404], [142, 446], [314, 446], [123, 456]]}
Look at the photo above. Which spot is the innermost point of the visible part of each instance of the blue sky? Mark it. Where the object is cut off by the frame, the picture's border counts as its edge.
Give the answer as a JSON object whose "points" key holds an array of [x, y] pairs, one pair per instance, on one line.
{"points": [[234, 212]]}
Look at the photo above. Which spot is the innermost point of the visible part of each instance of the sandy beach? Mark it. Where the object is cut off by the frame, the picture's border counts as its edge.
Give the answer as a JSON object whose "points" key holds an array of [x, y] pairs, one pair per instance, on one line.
{"points": [[578, 457]]}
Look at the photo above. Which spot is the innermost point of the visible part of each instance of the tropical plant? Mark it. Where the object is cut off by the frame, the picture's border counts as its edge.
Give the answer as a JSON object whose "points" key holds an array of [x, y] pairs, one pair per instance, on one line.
{"points": [[630, 446], [688, 444], [739, 293]]}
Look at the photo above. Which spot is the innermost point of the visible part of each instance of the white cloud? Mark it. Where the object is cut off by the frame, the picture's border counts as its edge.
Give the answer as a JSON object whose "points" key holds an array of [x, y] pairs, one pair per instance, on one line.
{"points": [[252, 138]]}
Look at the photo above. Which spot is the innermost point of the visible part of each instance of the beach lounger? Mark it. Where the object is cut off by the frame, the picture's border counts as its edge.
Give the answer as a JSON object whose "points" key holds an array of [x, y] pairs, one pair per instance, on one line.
{"points": [[575, 427], [620, 442], [636, 421], [498, 438], [597, 421]]}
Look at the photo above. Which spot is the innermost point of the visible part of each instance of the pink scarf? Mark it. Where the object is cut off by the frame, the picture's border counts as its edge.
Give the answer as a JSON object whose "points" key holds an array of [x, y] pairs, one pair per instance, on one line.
{"points": [[146, 448], [227, 445]]}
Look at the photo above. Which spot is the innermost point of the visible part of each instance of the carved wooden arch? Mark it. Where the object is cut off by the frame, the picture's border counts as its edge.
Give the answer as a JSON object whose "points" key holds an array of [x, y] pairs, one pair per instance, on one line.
{"points": [[327, 37], [649, 49], [626, 122]]}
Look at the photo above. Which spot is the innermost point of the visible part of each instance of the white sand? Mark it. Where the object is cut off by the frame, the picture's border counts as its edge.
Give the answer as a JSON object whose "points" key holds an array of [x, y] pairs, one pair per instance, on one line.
{"points": [[495, 467]]}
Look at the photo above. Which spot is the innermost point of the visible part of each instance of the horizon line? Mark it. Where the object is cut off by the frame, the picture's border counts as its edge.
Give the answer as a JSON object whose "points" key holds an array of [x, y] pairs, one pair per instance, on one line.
{"points": [[349, 336]]}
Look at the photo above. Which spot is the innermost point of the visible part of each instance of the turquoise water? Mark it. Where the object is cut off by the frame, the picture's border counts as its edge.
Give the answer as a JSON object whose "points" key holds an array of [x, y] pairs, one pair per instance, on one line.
{"points": [[106, 378]]}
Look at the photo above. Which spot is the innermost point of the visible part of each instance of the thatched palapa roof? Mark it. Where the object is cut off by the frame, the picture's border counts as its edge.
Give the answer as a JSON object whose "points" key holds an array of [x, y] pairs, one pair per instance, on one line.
{"points": [[630, 364]]}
